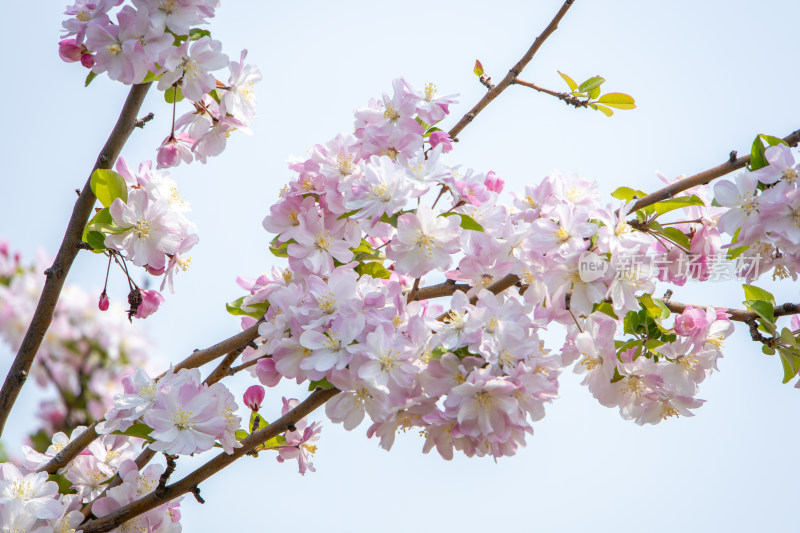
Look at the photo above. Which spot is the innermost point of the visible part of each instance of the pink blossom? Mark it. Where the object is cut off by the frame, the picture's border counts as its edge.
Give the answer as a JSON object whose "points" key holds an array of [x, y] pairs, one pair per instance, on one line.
{"points": [[103, 303], [441, 137], [150, 301], [253, 397], [690, 321]]}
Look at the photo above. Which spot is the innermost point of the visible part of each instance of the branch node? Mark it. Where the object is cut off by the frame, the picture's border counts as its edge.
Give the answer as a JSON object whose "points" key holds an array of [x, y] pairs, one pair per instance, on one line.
{"points": [[732, 156], [144, 120], [84, 246], [291, 427], [196, 494], [161, 489]]}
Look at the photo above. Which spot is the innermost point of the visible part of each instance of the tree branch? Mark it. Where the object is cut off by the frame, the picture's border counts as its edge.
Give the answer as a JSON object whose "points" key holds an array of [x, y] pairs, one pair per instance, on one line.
{"points": [[703, 177], [513, 73], [564, 97], [57, 273], [198, 358], [191, 481]]}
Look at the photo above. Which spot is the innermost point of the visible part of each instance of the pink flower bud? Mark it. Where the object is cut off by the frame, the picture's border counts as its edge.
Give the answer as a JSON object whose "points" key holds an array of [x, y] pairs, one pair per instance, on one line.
{"points": [[690, 321], [70, 50], [439, 137], [253, 397], [103, 303], [87, 60], [150, 302], [494, 182], [266, 373]]}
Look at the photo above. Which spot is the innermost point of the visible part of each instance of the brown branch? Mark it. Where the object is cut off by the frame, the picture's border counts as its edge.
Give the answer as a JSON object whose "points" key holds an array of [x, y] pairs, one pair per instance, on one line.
{"points": [[198, 358], [703, 177], [436, 291], [564, 97], [57, 273], [189, 483], [201, 357], [223, 367], [738, 315], [513, 73]]}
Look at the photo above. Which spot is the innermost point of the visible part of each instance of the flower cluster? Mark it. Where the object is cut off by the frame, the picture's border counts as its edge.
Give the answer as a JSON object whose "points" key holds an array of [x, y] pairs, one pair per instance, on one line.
{"points": [[85, 352], [151, 226], [156, 40], [186, 415], [29, 502], [361, 240], [648, 389], [763, 214]]}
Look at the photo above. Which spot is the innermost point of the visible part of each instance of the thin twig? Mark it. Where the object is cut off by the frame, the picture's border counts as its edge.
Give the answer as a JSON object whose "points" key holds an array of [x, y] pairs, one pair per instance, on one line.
{"points": [[513, 73], [198, 358], [57, 273], [564, 97], [190, 482], [703, 177]]}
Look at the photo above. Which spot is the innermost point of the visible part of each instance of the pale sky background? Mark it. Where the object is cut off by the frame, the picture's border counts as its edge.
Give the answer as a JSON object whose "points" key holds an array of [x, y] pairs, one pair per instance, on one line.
{"points": [[707, 77]]}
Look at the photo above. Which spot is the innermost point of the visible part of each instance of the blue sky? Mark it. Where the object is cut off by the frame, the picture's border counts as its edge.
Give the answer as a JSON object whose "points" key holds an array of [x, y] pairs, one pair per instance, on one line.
{"points": [[707, 77]]}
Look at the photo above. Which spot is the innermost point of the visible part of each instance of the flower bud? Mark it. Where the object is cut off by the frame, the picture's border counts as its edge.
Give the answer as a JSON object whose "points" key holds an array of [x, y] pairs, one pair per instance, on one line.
{"points": [[441, 137], [150, 302], [103, 303], [253, 397], [493, 182], [70, 50], [266, 373], [690, 321]]}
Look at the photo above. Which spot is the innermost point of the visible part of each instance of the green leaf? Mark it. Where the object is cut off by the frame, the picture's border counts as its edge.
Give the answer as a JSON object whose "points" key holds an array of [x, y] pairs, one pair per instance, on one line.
{"points": [[467, 222], [323, 384], [591, 83], [151, 77], [767, 350], [96, 240], [478, 70], [438, 352], [138, 430], [241, 434], [173, 94], [757, 159], [677, 236], [626, 194], [789, 339], [376, 270], [237, 308], [196, 34], [572, 85], [646, 301], [617, 100], [605, 308], [606, 111], [89, 79], [391, 220], [617, 376], [256, 422], [790, 362], [733, 253], [751, 292], [64, 485], [679, 202], [431, 130], [652, 344], [665, 312], [348, 214], [764, 310], [279, 250], [594, 93], [107, 186]]}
